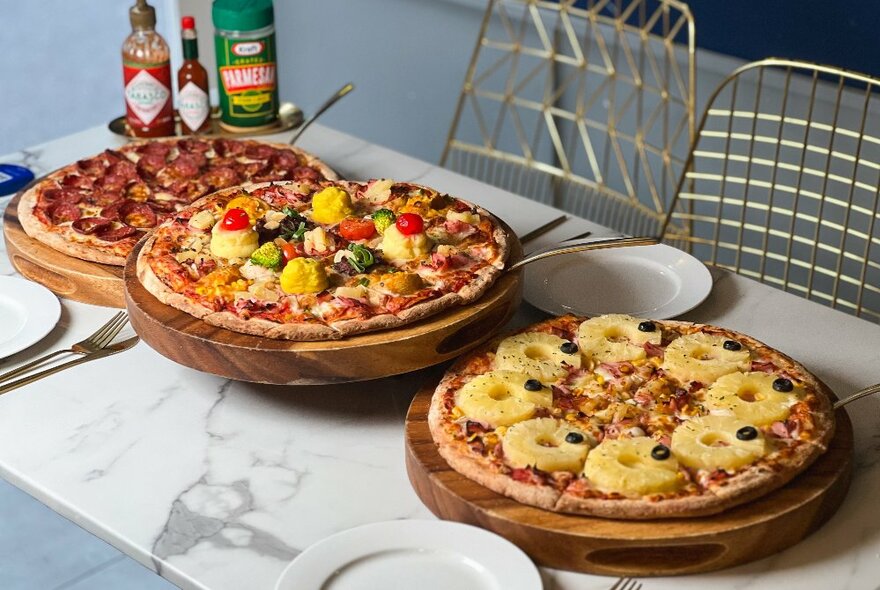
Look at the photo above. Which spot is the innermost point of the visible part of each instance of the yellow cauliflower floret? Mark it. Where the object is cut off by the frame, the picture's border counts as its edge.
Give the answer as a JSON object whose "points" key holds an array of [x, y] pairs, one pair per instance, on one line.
{"points": [[396, 246], [254, 207], [221, 283], [303, 275], [331, 205]]}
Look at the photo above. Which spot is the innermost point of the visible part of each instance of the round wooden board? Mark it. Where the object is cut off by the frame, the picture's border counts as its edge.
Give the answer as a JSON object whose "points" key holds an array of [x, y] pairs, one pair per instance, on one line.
{"points": [[190, 341], [66, 276], [609, 547]]}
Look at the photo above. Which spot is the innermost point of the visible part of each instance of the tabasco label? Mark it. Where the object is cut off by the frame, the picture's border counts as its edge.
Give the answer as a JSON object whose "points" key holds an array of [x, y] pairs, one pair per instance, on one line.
{"points": [[148, 105], [248, 83]]}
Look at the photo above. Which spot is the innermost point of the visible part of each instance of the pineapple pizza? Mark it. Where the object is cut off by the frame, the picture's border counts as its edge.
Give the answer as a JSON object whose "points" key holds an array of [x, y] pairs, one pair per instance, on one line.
{"points": [[321, 260], [625, 418]]}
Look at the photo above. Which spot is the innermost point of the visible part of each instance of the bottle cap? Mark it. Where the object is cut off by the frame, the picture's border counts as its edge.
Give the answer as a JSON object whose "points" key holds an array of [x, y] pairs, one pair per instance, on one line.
{"points": [[188, 22], [13, 178], [142, 15], [242, 15]]}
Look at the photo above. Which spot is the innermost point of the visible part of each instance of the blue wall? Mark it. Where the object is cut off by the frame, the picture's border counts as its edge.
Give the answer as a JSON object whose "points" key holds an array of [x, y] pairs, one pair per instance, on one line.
{"points": [[833, 32]]}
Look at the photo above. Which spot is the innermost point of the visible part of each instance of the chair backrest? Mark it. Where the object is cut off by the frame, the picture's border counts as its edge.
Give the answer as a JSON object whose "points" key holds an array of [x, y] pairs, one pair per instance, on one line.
{"points": [[584, 104], [782, 183]]}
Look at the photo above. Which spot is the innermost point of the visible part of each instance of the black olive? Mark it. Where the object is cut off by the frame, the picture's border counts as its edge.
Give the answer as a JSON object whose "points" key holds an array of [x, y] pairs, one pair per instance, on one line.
{"points": [[732, 345], [660, 452], [747, 433], [569, 347], [533, 385], [647, 326], [782, 384], [574, 438]]}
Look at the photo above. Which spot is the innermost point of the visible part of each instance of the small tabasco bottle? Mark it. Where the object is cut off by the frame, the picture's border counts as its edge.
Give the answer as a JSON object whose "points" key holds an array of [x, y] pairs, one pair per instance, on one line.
{"points": [[192, 82], [147, 73]]}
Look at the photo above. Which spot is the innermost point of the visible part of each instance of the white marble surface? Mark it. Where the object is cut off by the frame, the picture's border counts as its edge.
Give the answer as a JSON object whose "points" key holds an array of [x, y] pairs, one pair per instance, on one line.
{"points": [[217, 484]]}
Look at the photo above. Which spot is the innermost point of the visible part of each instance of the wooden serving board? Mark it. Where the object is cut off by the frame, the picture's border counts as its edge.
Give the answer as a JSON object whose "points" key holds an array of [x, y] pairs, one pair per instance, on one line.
{"points": [[197, 344], [609, 547], [89, 282]]}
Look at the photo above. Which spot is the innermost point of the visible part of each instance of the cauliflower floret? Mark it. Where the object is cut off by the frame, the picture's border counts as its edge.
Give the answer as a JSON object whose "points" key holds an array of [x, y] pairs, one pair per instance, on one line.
{"points": [[251, 271]]}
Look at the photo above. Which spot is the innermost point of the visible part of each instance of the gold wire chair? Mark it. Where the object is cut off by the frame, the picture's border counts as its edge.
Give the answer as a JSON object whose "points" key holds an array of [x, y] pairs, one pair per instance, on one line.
{"points": [[782, 183], [587, 105]]}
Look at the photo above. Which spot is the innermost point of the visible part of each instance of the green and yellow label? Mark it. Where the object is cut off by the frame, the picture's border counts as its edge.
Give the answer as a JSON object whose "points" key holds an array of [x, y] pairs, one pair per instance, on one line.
{"points": [[247, 81]]}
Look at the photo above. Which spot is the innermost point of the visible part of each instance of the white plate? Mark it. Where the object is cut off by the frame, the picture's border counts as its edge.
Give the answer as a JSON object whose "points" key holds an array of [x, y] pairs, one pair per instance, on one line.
{"points": [[657, 282], [419, 554], [28, 312]]}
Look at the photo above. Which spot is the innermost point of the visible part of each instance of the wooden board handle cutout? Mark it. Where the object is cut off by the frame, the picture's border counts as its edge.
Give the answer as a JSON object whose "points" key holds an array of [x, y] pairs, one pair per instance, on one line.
{"points": [[54, 281]]}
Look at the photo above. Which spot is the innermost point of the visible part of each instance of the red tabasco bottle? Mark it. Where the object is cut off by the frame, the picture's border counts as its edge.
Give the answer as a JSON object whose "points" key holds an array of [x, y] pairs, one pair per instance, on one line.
{"points": [[147, 72], [192, 84]]}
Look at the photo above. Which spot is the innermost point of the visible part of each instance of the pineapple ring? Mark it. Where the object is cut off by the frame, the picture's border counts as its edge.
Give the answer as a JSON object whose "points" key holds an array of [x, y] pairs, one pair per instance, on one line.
{"points": [[625, 466], [703, 358], [499, 398], [710, 442], [750, 397], [613, 338], [535, 353], [541, 443]]}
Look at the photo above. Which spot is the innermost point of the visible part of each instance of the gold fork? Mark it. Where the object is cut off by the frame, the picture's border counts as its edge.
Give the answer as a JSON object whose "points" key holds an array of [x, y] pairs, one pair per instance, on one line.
{"points": [[99, 354], [91, 344], [627, 584]]}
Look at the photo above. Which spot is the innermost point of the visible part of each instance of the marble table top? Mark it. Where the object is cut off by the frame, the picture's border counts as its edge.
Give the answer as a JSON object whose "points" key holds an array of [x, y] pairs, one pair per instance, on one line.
{"points": [[217, 485]]}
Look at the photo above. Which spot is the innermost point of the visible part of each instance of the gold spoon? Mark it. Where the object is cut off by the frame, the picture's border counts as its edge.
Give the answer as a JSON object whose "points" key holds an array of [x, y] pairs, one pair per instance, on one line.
{"points": [[857, 395], [330, 102], [582, 245]]}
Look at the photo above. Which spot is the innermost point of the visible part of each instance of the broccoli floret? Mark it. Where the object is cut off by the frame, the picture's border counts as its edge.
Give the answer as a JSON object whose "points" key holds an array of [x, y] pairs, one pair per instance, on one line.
{"points": [[268, 255], [382, 219]]}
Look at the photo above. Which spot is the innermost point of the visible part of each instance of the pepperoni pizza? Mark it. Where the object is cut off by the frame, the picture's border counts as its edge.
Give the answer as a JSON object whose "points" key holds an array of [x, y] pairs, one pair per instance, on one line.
{"points": [[98, 208]]}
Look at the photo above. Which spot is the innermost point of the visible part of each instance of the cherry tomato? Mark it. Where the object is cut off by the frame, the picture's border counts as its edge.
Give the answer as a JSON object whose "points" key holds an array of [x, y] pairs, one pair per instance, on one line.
{"points": [[291, 251], [356, 229], [409, 224], [236, 219]]}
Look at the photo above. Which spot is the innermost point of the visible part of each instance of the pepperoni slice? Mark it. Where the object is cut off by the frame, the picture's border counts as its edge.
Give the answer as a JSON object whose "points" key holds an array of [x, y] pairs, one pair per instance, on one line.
{"points": [[217, 178], [160, 148], [111, 182], [124, 168], [185, 166], [111, 212], [228, 147], [194, 145], [304, 173], [90, 225], [137, 214], [77, 181], [165, 206], [119, 233], [251, 169], [103, 197], [150, 164], [67, 195], [218, 162], [63, 211], [259, 151], [284, 160], [93, 166]]}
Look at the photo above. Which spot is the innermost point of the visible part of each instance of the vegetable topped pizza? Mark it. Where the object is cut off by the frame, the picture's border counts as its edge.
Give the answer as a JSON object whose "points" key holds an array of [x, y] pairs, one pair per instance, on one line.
{"points": [[98, 208], [315, 261], [625, 418]]}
